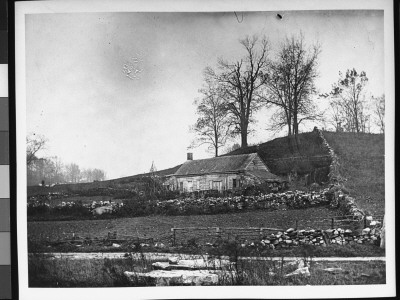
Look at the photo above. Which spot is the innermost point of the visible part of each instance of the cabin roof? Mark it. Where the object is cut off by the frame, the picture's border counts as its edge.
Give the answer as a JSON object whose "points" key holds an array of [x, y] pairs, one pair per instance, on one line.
{"points": [[221, 164]]}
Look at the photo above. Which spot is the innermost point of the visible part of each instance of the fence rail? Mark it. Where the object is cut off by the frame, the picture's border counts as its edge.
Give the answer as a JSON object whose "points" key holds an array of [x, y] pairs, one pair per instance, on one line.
{"points": [[212, 234]]}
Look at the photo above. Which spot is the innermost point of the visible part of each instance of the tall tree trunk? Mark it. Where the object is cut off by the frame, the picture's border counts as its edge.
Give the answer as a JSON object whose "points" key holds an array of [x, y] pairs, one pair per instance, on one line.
{"points": [[244, 139], [289, 128], [243, 134], [216, 141], [356, 118], [295, 125], [295, 111]]}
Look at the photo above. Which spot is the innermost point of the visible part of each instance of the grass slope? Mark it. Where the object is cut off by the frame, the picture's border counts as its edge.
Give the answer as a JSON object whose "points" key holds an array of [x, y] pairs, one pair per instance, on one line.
{"points": [[282, 155], [362, 160]]}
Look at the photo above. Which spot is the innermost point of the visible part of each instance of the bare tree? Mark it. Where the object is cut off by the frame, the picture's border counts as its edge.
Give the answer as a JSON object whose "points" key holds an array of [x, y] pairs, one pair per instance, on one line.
{"points": [[87, 175], [335, 116], [73, 172], [290, 85], [350, 99], [98, 175], [58, 170], [212, 126], [34, 143], [51, 170], [380, 112], [240, 82]]}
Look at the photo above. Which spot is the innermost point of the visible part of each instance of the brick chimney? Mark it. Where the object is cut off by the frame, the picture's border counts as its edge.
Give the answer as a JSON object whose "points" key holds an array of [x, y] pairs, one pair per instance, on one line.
{"points": [[189, 156]]}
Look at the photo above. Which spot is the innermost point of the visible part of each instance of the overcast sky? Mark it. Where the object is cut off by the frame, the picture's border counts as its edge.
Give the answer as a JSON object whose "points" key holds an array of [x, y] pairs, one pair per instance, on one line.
{"points": [[94, 115]]}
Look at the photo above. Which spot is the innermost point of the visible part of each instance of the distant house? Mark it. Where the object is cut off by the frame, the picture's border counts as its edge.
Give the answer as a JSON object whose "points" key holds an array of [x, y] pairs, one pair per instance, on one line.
{"points": [[222, 173]]}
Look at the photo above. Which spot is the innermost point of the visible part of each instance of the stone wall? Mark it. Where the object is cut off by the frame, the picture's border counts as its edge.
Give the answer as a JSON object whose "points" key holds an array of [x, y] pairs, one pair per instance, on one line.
{"points": [[292, 237], [337, 196], [334, 174], [285, 200]]}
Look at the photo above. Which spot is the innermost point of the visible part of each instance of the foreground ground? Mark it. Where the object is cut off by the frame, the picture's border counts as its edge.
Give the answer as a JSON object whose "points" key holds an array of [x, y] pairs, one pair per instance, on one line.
{"points": [[109, 273]]}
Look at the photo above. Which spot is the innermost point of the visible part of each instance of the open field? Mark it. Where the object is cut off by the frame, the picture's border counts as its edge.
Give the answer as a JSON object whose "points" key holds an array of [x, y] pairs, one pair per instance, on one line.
{"points": [[362, 160], [109, 273], [154, 226]]}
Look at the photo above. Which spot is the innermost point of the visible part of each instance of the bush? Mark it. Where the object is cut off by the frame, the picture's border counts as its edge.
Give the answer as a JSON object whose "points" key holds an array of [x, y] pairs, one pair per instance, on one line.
{"points": [[38, 208], [136, 207], [71, 208]]}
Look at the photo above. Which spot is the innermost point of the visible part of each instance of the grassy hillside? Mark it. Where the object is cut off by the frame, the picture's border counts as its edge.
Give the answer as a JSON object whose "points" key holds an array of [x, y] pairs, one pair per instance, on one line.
{"points": [[362, 160], [282, 155]]}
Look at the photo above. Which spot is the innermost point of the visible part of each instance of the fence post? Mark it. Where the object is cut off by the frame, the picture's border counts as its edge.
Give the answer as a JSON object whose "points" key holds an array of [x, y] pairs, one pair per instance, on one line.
{"points": [[173, 237], [261, 233], [333, 223], [217, 232], [365, 222]]}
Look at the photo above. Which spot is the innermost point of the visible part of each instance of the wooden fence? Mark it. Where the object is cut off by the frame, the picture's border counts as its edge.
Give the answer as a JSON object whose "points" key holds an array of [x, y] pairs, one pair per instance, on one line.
{"points": [[199, 235], [212, 234]]}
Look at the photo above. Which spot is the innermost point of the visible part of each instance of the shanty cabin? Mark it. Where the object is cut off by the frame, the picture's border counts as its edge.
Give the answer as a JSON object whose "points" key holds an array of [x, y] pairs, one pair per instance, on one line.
{"points": [[222, 173]]}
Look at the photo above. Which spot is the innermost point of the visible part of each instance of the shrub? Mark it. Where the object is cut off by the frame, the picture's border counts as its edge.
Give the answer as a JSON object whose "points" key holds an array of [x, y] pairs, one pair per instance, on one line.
{"points": [[37, 208]]}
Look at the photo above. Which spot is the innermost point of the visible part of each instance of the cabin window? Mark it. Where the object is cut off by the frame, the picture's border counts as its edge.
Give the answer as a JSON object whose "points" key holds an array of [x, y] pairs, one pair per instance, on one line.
{"points": [[181, 186], [217, 185], [195, 185], [190, 186], [210, 185], [234, 183]]}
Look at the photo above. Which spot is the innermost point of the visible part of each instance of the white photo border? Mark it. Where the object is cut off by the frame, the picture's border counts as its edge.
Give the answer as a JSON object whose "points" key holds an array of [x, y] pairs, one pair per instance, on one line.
{"points": [[231, 292]]}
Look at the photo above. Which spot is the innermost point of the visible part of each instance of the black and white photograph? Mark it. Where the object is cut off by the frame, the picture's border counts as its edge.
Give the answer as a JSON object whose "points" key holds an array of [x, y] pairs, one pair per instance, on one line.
{"points": [[205, 149]]}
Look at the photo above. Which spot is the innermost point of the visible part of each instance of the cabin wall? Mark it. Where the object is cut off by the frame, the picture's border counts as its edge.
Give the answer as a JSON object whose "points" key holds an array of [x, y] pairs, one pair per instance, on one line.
{"points": [[218, 182]]}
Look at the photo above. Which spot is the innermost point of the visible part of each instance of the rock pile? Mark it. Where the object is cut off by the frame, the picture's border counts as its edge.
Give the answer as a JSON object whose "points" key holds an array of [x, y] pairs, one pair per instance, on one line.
{"points": [[293, 237], [339, 236], [273, 201], [343, 237], [348, 206]]}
